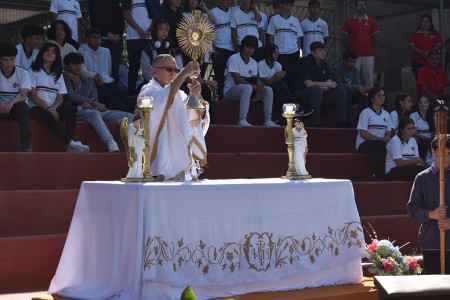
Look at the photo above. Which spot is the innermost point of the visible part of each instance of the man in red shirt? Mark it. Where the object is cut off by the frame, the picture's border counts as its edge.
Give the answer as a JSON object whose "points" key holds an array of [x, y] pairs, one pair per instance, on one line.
{"points": [[359, 34], [431, 80]]}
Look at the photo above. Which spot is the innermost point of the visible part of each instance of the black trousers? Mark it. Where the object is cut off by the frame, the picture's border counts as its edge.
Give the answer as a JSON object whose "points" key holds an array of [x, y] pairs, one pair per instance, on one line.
{"points": [[134, 48], [432, 261], [281, 95], [66, 113], [20, 112], [407, 173], [289, 63], [113, 97], [219, 66], [377, 153]]}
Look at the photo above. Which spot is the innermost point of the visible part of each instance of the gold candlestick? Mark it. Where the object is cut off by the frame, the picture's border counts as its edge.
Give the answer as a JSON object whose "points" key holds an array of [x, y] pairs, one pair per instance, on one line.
{"points": [[146, 163], [145, 105]]}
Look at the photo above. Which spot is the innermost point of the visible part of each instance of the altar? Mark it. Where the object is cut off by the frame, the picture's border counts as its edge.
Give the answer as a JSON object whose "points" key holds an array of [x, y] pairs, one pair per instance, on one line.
{"points": [[221, 237]]}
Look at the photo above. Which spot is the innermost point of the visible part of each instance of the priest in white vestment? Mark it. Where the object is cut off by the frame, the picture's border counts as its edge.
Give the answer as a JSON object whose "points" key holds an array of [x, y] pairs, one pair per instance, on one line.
{"points": [[170, 131]]}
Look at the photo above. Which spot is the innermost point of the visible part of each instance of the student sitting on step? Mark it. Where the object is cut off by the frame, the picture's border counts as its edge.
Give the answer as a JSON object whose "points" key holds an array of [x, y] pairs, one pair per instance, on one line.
{"points": [[241, 83], [97, 60], [46, 97], [402, 154], [85, 97], [374, 132], [14, 86]]}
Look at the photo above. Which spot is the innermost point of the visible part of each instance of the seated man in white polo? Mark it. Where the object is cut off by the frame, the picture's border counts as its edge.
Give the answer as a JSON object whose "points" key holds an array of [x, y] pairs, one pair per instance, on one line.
{"points": [[241, 83]]}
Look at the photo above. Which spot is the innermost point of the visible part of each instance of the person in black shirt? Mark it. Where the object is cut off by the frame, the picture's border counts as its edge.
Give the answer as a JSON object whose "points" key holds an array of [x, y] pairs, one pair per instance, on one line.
{"points": [[316, 87]]}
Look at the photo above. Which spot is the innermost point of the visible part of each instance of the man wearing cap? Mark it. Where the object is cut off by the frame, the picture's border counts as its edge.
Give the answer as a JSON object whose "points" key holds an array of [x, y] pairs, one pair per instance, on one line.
{"points": [[171, 134]]}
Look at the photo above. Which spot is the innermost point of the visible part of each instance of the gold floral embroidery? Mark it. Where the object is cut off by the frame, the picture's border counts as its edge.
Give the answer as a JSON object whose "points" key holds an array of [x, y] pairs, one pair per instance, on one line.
{"points": [[260, 251]]}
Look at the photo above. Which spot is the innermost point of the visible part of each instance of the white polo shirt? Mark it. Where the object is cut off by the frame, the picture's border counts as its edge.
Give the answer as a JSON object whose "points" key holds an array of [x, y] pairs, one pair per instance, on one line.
{"points": [[264, 71], [313, 32], [24, 61], [222, 28], [373, 123], [395, 149], [46, 87], [245, 24], [422, 126], [236, 64], [286, 33], [69, 11], [10, 86], [139, 13]]}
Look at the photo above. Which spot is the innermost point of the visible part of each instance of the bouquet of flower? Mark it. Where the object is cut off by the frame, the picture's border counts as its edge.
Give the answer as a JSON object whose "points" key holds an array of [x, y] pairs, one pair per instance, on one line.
{"points": [[387, 259]]}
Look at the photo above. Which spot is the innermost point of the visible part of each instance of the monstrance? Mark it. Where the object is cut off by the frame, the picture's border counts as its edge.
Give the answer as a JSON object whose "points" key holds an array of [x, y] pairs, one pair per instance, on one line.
{"points": [[195, 35]]}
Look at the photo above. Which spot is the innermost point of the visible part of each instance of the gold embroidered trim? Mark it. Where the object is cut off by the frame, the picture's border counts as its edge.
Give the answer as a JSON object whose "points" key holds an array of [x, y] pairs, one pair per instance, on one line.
{"points": [[260, 251]]}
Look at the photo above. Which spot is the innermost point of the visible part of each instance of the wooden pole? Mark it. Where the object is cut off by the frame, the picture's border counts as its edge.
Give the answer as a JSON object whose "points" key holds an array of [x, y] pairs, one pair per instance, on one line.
{"points": [[441, 134]]}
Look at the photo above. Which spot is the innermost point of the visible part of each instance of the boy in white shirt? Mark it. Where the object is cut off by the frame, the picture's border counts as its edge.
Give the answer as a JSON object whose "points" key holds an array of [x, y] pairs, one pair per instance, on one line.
{"points": [[97, 60], [33, 38], [314, 28], [284, 31], [241, 83], [245, 22], [223, 46], [14, 86]]}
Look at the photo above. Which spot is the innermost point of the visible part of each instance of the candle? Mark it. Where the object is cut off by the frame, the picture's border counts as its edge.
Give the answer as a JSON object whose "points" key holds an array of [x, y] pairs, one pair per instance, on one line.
{"points": [[147, 102], [289, 108]]}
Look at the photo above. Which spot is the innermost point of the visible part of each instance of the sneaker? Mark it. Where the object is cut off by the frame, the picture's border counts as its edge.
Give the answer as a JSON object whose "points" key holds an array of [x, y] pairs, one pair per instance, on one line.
{"points": [[112, 146], [304, 111], [271, 124], [76, 146], [26, 149], [244, 123]]}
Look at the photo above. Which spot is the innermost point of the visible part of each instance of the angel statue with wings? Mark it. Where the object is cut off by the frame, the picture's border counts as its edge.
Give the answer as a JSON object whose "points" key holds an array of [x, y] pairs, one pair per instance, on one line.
{"points": [[134, 142]]}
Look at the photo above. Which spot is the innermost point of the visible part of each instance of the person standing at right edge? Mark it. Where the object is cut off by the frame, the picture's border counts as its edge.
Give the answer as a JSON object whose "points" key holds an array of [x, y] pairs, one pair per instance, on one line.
{"points": [[423, 207], [360, 34]]}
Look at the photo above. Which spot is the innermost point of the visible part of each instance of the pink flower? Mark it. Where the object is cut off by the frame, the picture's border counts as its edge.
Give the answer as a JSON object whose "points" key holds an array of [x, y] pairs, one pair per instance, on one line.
{"points": [[372, 247], [413, 264], [387, 264]]}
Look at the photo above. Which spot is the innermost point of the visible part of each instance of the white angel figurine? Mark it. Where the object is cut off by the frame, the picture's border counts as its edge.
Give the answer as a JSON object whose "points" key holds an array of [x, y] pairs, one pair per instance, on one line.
{"points": [[133, 138], [300, 147]]}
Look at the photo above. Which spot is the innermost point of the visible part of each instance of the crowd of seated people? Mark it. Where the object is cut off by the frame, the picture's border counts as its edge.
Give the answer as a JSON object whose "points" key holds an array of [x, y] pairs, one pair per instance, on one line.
{"points": [[276, 60]]}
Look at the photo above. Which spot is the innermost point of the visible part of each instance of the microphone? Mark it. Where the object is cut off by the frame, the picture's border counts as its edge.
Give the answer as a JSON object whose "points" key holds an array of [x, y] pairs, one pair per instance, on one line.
{"points": [[160, 178]]}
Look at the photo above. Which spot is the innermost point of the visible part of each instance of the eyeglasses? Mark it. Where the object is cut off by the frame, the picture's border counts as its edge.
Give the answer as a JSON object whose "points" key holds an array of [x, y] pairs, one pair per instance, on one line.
{"points": [[169, 69]]}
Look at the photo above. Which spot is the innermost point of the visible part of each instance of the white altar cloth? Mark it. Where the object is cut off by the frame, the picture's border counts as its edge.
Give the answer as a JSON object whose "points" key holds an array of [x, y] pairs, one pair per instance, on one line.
{"points": [[221, 237]]}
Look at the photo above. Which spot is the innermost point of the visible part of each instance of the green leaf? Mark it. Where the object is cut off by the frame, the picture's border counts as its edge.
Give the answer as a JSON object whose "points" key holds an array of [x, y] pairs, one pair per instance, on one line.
{"points": [[188, 294]]}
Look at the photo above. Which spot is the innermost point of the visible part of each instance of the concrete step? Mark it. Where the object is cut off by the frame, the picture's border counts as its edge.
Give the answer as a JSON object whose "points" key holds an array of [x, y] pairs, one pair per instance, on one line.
{"points": [[36, 212], [67, 170], [233, 139], [227, 112], [219, 139], [351, 166], [29, 262], [378, 198]]}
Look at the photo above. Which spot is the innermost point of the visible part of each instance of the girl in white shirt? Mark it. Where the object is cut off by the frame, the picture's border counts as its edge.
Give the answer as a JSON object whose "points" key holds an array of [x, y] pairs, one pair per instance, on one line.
{"points": [[373, 132], [402, 154], [403, 104], [46, 97], [271, 74], [425, 128]]}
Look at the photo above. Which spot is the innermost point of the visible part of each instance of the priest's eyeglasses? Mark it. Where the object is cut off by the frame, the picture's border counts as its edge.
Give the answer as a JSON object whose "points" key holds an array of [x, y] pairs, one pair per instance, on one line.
{"points": [[169, 69]]}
